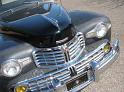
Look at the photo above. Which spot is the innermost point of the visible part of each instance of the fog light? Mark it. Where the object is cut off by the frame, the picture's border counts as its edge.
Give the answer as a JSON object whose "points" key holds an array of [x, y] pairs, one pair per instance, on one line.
{"points": [[107, 48], [21, 89]]}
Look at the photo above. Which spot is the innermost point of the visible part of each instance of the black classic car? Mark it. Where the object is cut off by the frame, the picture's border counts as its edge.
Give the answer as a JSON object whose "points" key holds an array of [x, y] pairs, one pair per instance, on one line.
{"points": [[44, 48]]}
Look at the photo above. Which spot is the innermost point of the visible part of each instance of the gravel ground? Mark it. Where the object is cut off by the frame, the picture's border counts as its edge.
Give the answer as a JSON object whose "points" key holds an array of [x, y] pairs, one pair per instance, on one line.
{"points": [[113, 79]]}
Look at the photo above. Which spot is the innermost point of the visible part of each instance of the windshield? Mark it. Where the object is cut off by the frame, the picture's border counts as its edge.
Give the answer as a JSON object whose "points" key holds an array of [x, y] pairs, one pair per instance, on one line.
{"points": [[6, 5], [23, 12], [16, 11]]}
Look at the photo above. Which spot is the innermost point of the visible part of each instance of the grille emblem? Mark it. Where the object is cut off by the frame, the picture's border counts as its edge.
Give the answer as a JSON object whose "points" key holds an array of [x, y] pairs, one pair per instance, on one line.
{"points": [[61, 41], [66, 49]]}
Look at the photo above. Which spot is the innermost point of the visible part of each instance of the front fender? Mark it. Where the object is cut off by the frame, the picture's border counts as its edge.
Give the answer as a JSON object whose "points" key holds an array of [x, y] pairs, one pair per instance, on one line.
{"points": [[85, 21]]}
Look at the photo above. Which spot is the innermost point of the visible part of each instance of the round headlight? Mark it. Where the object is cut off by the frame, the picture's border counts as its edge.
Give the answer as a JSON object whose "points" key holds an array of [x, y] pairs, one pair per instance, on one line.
{"points": [[101, 30], [11, 68]]}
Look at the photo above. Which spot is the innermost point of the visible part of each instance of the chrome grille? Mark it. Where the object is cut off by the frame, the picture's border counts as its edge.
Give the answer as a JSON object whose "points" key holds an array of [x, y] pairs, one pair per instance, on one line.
{"points": [[76, 46], [55, 57], [95, 57], [46, 58]]}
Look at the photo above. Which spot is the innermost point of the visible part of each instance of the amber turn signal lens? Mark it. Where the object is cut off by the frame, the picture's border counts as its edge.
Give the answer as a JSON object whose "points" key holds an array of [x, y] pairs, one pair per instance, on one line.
{"points": [[21, 89], [107, 48]]}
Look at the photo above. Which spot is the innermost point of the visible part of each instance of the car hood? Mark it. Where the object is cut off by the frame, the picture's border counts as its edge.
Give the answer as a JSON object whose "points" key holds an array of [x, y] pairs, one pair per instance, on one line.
{"points": [[43, 30]]}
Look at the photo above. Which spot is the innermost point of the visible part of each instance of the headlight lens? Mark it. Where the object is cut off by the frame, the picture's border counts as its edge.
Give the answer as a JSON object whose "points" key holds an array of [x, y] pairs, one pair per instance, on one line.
{"points": [[11, 68], [99, 31]]}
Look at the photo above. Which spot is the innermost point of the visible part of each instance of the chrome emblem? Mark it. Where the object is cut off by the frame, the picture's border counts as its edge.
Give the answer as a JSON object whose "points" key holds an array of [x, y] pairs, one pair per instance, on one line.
{"points": [[61, 41]]}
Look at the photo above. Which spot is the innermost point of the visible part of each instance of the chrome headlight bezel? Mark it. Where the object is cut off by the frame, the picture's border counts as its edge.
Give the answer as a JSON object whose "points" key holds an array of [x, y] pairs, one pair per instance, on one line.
{"points": [[11, 68], [99, 31]]}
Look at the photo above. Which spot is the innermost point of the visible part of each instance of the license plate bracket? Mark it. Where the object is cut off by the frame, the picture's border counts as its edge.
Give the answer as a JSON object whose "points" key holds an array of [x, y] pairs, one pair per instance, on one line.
{"points": [[77, 81]]}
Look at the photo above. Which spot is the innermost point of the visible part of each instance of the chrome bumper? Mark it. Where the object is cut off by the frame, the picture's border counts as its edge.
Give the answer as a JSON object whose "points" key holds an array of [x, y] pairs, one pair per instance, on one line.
{"points": [[98, 67], [93, 62]]}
